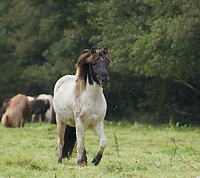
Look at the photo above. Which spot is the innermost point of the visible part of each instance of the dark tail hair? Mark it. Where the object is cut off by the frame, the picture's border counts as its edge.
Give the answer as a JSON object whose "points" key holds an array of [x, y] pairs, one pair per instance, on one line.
{"points": [[69, 141], [53, 116]]}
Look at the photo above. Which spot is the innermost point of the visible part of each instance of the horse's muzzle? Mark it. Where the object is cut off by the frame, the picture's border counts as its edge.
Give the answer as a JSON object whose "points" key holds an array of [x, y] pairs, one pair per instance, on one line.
{"points": [[105, 82]]}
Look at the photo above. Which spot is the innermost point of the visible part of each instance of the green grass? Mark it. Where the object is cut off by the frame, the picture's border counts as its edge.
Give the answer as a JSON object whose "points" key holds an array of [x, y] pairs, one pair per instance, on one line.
{"points": [[132, 151]]}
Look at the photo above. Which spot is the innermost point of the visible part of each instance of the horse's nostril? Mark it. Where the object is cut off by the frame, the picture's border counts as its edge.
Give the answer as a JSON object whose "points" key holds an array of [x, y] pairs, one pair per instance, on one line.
{"points": [[105, 80]]}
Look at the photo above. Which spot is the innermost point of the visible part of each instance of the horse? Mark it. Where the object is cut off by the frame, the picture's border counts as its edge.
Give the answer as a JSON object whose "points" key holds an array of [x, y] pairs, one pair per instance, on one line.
{"points": [[48, 113], [79, 103], [18, 110], [39, 107]]}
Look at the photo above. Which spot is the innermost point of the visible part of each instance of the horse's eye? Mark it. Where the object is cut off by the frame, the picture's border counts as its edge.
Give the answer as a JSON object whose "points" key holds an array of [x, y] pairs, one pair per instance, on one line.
{"points": [[93, 63]]}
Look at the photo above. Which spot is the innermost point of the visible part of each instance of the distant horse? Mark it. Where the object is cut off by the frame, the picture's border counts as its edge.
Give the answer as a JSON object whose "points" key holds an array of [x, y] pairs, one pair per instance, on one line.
{"points": [[18, 110], [48, 113], [79, 102], [39, 107]]}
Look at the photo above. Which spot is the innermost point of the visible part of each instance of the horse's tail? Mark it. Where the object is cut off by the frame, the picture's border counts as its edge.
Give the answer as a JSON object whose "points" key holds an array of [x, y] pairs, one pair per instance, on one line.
{"points": [[53, 116], [69, 141]]}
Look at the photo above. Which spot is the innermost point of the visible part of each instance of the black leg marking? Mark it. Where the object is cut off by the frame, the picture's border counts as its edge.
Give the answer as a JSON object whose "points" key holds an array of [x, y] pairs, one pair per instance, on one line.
{"points": [[59, 161], [97, 159]]}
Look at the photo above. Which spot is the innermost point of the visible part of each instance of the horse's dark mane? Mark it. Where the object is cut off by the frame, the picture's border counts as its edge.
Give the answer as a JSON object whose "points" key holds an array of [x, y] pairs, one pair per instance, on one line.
{"points": [[83, 63]]}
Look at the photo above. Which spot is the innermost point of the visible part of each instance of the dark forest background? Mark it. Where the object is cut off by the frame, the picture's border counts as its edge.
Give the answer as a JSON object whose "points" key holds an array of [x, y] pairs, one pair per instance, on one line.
{"points": [[155, 76]]}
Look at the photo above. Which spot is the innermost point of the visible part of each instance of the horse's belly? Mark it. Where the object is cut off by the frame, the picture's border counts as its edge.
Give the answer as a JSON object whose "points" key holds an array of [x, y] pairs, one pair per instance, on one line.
{"points": [[67, 120]]}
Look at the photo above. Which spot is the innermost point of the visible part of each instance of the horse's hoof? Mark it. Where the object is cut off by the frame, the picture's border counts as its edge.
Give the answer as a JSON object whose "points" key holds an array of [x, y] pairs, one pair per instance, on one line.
{"points": [[95, 162], [59, 161], [81, 163], [97, 159], [84, 163]]}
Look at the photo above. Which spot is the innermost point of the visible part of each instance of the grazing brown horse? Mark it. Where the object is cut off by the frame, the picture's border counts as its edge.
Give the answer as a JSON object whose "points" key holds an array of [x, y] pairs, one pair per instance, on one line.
{"points": [[18, 110]]}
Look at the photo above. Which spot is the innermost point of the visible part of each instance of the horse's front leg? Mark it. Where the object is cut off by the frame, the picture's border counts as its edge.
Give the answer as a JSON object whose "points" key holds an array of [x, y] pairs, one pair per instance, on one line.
{"points": [[33, 117], [103, 143], [82, 159], [61, 131]]}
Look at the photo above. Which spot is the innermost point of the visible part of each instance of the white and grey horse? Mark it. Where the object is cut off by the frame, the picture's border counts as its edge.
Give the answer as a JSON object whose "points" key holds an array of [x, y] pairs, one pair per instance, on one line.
{"points": [[79, 103]]}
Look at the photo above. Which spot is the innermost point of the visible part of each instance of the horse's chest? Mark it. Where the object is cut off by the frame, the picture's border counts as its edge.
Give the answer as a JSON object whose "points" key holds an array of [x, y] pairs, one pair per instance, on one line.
{"points": [[92, 111]]}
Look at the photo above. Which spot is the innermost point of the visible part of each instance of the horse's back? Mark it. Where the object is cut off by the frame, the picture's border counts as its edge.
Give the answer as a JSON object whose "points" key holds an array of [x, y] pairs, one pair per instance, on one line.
{"points": [[64, 88], [64, 82], [22, 103], [45, 97], [16, 100]]}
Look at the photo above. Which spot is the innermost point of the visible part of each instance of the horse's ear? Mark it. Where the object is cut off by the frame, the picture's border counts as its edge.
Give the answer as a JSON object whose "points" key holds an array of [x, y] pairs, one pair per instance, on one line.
{"points": [[93, 51], [105, 51]]}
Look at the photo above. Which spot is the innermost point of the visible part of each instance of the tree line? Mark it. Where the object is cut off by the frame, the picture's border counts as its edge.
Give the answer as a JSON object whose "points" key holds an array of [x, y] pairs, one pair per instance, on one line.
{"points": [[154, 48]]}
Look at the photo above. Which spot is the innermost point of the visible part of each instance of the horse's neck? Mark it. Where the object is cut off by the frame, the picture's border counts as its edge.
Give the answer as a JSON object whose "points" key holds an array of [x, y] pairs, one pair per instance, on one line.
{"points": [[93, 90], [85, 90]]}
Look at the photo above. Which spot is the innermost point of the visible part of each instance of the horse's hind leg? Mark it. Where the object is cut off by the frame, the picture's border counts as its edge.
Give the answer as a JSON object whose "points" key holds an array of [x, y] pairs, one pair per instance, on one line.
{"points": [[22, 122], [61, 130], [103, 143]]}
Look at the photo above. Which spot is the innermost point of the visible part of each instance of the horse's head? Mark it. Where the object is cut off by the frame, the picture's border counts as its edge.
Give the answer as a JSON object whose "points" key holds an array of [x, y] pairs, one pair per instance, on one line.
{"points": [[98, 69], [94, 65]]}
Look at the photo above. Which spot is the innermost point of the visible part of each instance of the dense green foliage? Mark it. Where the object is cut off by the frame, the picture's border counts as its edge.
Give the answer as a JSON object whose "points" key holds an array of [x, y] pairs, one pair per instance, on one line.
{"points": [[155, 72]]}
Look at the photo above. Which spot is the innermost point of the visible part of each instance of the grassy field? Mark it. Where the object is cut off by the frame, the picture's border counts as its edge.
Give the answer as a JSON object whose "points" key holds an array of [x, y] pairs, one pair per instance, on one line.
{"points": [[132, 151]]}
